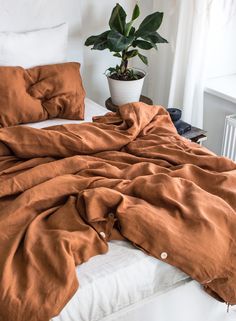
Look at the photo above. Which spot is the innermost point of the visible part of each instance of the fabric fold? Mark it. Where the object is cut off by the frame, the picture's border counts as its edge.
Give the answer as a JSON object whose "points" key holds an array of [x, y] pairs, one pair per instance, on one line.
{"points": [[59, 186]]}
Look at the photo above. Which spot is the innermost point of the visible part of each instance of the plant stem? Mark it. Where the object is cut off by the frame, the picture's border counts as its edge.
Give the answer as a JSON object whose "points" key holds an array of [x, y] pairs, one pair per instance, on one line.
{"points": [[124, 62]]}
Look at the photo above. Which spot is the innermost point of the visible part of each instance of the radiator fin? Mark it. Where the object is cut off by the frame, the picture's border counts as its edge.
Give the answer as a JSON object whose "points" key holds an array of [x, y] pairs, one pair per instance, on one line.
{"points": [[229, 139]]}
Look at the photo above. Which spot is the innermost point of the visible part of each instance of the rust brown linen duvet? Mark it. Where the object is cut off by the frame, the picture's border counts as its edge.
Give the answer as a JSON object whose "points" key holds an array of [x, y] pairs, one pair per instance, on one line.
{"points": [[58, 186]]}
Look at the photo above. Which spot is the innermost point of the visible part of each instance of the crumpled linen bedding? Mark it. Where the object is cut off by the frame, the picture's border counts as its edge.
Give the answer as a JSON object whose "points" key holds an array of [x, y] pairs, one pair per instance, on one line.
{"points": [[67, 190], [40, 93]]}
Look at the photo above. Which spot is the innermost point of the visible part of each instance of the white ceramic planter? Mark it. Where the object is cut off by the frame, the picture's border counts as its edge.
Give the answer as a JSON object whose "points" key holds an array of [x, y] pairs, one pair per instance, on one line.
{"points": [[123, 92]]}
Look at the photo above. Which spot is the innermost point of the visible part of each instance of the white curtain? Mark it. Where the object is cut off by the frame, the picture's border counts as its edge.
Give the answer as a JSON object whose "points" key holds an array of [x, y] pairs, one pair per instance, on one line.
{"points": [[177, 79]]}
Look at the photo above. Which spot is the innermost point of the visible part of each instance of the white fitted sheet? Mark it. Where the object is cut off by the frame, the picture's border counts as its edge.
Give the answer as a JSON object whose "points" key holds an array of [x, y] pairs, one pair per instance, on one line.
{"points": [[91, 109], [116, 280]]}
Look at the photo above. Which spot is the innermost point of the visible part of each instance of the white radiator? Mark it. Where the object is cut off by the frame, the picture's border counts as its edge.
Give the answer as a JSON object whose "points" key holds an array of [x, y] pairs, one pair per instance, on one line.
{"points": [[229, 139]]}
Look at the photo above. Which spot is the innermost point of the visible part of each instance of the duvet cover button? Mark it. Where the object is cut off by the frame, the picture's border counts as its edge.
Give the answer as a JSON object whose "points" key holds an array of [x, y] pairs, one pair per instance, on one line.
{"points": [[103, 235], [111, 215], [164, 255]]}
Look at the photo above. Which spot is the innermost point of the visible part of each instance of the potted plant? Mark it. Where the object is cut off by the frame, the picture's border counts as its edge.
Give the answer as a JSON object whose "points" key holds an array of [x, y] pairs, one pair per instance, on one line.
{"points": [[124, 41]]}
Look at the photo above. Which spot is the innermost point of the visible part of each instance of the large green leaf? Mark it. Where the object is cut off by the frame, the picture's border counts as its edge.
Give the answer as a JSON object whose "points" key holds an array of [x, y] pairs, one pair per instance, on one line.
{"points": [[98, 40], [131, 53], [118, 19], [143, 58], [117, 42], [150, 24], [129, 30], [91, 40], [136, 12], [154, 37], [132, 31], [135, 15], [143, 44], [128, 27], [101, 41]]}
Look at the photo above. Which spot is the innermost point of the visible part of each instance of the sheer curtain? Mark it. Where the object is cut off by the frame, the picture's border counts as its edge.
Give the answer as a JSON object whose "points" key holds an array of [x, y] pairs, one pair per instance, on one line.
{"points": [[177, 79]]}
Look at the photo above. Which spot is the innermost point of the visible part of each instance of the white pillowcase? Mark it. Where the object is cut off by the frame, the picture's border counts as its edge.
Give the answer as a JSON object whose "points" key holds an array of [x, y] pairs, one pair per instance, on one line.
{"points": [[34, 48]]}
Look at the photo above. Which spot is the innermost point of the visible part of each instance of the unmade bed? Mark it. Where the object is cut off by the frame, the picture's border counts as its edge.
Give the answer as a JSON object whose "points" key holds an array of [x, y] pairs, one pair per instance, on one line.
{"points": [[67, 252], [126, 283]]}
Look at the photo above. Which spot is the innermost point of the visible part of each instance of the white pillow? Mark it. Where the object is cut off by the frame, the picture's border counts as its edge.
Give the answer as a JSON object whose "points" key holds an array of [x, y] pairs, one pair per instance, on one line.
{"points": [[34, 48]]}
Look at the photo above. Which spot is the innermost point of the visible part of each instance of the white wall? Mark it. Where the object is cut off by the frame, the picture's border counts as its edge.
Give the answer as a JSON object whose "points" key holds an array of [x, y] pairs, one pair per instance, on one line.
{"points": [[221, 62], [26, 15], [222, 44], [95, 17], [85, 18], [157, 84]]}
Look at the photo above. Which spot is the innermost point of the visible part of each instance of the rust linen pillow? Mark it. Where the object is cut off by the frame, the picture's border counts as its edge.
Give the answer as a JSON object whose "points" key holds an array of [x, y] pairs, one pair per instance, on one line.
{"points": [[39, 93]]}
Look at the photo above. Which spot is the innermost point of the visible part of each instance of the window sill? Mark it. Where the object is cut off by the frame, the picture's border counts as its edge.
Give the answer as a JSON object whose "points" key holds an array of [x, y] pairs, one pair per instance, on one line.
{"points": [[223, 87]]}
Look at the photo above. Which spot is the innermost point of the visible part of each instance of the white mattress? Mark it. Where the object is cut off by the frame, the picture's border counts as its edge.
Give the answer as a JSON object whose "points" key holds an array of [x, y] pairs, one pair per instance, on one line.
{"points": [[91, 109], [123, 277]]}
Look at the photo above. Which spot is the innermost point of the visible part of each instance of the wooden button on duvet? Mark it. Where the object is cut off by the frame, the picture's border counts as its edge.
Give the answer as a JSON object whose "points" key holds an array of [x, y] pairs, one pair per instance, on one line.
{"points": [[111, 215], [164, 255], [103, 235]]}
